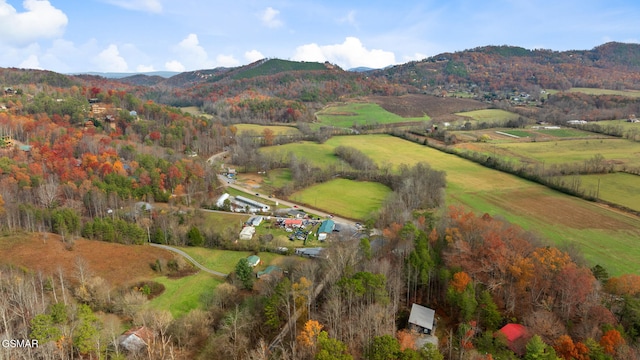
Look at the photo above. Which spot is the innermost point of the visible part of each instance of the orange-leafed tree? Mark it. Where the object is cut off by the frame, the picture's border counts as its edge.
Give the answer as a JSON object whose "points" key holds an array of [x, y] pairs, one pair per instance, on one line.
{"points": [[460, 281], [268, 136], [568, 350], [308, 337], [611, 340]]}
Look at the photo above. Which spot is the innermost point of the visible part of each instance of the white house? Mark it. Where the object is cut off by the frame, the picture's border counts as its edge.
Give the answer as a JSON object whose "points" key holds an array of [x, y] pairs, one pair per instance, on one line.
{"points": [[247, 232]]}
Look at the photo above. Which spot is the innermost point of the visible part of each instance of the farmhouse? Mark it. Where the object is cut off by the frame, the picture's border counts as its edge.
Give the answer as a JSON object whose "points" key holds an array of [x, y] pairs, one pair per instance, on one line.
{"points": [[242, 204], [325, 229], [292, 223], [247, 233], [253, 260], [422, 319]]}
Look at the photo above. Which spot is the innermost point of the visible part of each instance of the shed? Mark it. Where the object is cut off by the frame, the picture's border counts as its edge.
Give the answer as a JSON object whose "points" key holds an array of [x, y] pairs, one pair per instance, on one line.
{"points": [[422, 319], [253, 260], [270, 270], [255, 220], [136, 339]]}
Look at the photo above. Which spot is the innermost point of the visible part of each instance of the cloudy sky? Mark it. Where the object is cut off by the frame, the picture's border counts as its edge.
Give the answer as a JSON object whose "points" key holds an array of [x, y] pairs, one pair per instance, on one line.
{"points": [[178, 35]]}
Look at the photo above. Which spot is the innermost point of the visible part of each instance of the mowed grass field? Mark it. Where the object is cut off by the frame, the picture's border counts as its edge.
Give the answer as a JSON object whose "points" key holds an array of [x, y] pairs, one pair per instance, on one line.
{"points": [[318, 154], [350, 114], [621, 123], [348, 198], [618, 188], [489, 115], [620, 151], [184, 294], [606, 237], [259, 129]]}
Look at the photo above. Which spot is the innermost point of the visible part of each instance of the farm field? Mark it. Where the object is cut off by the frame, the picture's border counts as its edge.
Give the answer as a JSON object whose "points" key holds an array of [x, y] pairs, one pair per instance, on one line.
{"points": [[319, 154], [361, 114], [194, 110], [347, 198], [489, 115], [561, 218], [594, 91], [619, 151], [617, 188], [621, 123], [277, 130]]}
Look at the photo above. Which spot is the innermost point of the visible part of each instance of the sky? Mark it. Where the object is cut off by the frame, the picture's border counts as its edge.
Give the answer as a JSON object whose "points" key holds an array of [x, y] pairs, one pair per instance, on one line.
{"points": [[72, 36]]}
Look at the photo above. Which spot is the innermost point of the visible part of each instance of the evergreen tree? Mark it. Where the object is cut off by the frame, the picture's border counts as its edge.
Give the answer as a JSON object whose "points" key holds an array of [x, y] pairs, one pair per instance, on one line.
{"points": [[245, 273]]}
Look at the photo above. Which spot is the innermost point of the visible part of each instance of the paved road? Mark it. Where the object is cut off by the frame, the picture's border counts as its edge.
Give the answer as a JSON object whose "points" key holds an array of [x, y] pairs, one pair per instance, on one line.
{"points": [[192, 260]]}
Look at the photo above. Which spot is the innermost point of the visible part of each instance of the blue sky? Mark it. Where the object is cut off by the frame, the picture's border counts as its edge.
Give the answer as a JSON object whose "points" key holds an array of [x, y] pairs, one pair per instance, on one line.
{"points": [[179, 35]]}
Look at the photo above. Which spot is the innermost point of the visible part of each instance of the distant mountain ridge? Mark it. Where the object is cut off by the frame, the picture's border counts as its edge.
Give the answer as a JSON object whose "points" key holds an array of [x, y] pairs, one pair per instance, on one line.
{"points": [[120, 75]]}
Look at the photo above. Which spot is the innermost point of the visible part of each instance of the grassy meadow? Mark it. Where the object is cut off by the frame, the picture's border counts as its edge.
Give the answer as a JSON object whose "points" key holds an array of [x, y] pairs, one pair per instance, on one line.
{"points": [[563, 219], [184, 294], [348, 198], [617, 188], [569, 151], [489, 115], [259, 129], [360, 114]]}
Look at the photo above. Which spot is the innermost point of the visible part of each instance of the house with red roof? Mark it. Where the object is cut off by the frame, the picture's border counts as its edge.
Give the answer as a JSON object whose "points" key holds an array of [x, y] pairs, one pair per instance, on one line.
{"points": [[517, 337]]}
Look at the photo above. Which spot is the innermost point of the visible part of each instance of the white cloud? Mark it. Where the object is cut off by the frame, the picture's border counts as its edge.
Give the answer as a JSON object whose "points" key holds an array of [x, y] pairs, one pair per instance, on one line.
{"points": [[226, 60], [145, 68], [191, 54], [40, 20], [253, 55], [174, 65], [153, 6], [350, 19], [270, 18], [414, 57], [109, 60], [31, 62], [350, 54]]}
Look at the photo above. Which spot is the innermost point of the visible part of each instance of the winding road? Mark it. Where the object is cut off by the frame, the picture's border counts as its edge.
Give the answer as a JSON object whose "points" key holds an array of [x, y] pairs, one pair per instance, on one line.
{"points": [[191, 260]]}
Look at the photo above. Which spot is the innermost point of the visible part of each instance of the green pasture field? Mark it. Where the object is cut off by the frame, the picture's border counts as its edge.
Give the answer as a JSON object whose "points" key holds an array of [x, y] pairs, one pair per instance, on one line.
{"points": [[184, 294], [621, 123], [617, 188], [519, 133], [606, 237], [570, 151], [220, 220], [194, 110], [347, 115], [348, 198], [277, 129], [318, 154], [489, 115]]}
